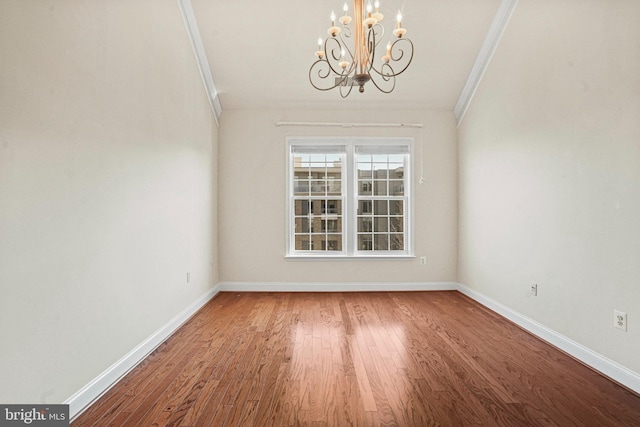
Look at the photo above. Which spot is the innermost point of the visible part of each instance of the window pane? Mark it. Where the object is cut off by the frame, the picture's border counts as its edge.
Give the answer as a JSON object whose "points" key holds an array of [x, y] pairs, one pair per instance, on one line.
{"points": [[396, 207], [301, 207], [365, 242], [396, 173], [331, 206], [301, 187], [380, 170], [334, 187], [302, 244], [396, 242], [300, 172], [334, 159], [396, 188], [381, 242], [381, 224], [317, 188], [365, 224], [300, 158], [333, 242], [380, 207], [364, 171], [364, 207], [396, 159], [396, 224], [365, 188], [364, 167], [316, 207], [332, 225], [302, 225], [380, 188]]}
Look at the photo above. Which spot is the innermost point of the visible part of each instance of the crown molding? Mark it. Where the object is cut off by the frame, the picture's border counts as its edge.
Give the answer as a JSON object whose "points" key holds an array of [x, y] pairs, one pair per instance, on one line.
{"points": [[487, 49], [193, 32]]}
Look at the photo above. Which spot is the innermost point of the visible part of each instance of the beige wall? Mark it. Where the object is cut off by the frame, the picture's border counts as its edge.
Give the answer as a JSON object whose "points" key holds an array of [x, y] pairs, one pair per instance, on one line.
{"points": [[253, 200], [550, 172], [107, 187]]}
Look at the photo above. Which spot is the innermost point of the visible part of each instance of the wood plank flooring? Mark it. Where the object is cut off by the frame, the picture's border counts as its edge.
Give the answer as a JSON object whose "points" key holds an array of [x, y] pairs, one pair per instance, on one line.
{"points": [[358, 359]]}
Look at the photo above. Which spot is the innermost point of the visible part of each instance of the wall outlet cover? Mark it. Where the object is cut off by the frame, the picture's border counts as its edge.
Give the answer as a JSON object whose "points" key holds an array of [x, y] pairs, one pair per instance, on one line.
{"points": [[620, 320]]}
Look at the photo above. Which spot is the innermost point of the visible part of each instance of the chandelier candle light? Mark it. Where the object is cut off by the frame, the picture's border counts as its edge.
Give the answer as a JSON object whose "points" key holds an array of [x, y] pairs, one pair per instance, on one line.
{"points": [[346, 58]]}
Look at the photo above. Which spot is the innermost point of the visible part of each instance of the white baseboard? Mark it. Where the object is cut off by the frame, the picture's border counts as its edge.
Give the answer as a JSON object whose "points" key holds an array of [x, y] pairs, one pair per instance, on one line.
{"points": [[607, 367], [336, 287], [103, 382]]}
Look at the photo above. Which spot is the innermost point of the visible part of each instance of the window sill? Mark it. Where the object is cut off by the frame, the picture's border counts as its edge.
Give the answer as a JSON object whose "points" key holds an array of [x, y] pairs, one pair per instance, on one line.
{"points": [[382, 257]]}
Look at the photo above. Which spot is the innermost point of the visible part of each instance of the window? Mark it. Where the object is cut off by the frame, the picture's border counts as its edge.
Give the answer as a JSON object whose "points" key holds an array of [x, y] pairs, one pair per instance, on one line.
{"points": [[349, 197]]}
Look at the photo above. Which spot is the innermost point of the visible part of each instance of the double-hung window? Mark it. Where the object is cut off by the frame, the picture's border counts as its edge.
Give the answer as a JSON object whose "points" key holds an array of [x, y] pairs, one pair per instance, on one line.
{"points": [[349, 197]]}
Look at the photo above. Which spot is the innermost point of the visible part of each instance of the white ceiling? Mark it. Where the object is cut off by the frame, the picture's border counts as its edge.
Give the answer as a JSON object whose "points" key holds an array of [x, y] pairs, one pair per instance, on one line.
{"points": [[260, 52]]}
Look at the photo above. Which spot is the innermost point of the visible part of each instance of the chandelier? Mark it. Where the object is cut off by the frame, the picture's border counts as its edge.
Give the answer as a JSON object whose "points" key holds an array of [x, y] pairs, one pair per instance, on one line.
{"points": [[347, 57]]}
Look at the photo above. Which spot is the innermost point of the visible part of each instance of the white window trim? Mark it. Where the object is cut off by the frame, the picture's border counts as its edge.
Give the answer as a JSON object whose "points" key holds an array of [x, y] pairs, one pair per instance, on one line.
{"points": [[350, 205]]}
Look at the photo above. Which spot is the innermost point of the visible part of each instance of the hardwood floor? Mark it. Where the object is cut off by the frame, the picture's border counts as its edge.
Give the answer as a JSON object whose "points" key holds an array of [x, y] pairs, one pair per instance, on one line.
{"points": [[358, 359]]}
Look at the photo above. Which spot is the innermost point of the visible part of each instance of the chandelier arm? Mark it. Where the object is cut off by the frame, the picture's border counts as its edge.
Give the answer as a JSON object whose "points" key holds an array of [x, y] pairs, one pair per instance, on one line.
{"points": [[336, 59], [378, 31], [346, 31], [371, 47], [388, 77], [349, 89], [344, 80], [345, 46], [324, 74], [398, 58]]}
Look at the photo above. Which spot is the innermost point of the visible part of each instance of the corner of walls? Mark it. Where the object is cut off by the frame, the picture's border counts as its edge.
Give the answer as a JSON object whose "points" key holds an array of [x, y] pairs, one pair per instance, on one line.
{"points": [[487, 49]]}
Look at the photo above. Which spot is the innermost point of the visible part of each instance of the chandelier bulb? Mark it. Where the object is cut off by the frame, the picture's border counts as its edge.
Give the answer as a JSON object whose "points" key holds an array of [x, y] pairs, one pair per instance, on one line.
{"points": [[369, 21], [320, 51], [345, 19], [399, 31]]}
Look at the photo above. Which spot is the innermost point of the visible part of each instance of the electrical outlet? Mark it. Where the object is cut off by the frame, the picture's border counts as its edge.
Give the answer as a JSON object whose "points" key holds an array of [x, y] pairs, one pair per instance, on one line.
{"points": [[423, 260], [620, 320], [534, 289]]}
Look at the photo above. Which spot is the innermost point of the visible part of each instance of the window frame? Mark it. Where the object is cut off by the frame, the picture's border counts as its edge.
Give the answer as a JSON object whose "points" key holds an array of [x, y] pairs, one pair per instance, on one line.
{"points": [[350, 197]]}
